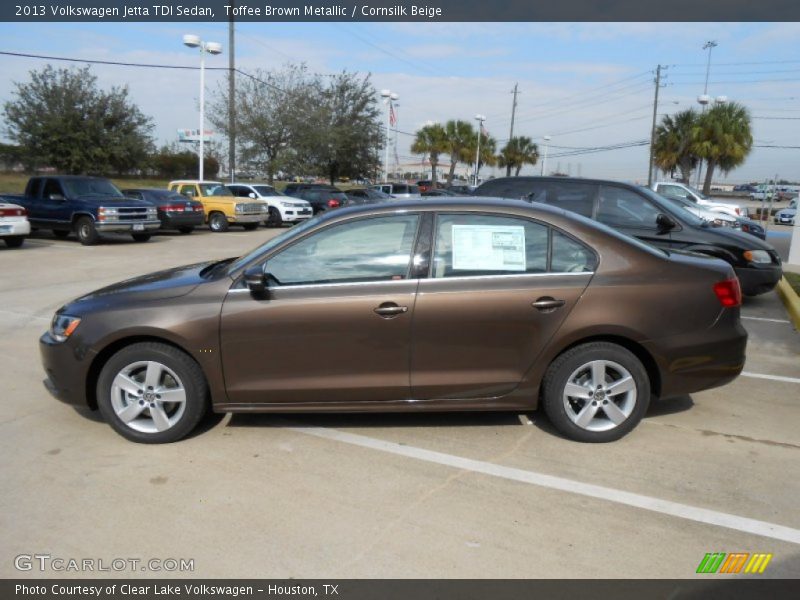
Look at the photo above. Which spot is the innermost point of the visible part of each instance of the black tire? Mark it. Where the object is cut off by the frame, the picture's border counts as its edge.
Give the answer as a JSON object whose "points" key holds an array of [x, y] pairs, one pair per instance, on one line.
{"points": [[189, 375], [60, 233], [250, 226], [218, 222], [574, 363], [185, 230], [86, 231], [14, 241], [275, 219], [141, 237]]}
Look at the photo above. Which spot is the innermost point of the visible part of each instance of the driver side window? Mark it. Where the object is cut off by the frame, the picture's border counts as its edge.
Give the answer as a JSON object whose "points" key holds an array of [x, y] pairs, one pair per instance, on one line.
{"points": [[372, 249], [618, 207]]}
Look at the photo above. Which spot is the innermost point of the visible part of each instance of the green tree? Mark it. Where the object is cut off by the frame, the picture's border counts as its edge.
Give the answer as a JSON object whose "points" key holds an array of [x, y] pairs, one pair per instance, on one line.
{"points": [[431, 140], [723, 137], [61, 118], [488, 150], [674, 142], [518, 152], [458, 135], [270, 107]]}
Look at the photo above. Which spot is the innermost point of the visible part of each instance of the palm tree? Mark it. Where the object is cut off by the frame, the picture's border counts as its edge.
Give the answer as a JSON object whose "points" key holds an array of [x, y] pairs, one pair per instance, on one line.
{"points": [[723, 137], [458, 135], [673, 143], [431, 140], [488, 150], [518, 152]]}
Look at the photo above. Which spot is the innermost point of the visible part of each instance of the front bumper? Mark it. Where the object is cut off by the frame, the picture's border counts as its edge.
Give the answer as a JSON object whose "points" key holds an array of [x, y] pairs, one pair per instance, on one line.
{"points": [[254, 218], [291, 214], [67, 369], [758, 280], [126, 226], [15, 228]]}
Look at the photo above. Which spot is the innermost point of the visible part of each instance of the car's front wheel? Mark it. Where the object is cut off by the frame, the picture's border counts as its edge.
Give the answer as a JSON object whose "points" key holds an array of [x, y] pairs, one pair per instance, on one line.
{"points": [[596, 392], [87, 232], [218, 222], [275, 219], [152, 393], [14, 241]]}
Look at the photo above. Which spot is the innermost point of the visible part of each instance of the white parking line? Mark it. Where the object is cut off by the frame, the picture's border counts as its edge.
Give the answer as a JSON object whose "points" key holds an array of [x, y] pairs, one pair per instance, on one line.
{"points": [[666, 507], [26, 315], [766, 319], [772, 377]]}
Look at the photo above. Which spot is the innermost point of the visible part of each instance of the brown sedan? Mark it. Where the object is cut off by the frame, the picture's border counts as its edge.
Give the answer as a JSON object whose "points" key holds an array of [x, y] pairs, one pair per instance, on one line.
{"points": [[437, 305]]}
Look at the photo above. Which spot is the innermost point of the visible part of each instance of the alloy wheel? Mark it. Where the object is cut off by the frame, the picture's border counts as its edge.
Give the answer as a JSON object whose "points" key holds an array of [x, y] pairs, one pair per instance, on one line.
{"points": [[148, 396], [599, 395]]}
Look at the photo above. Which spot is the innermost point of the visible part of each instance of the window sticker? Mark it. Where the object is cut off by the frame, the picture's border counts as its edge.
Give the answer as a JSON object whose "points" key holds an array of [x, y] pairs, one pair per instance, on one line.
{"points": [[488, 248]]}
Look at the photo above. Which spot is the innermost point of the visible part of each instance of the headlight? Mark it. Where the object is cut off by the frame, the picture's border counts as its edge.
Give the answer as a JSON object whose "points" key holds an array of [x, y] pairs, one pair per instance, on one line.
{"points": [[287, 204], [239, 208], [152, 212], [63, 326], [757, 256]]}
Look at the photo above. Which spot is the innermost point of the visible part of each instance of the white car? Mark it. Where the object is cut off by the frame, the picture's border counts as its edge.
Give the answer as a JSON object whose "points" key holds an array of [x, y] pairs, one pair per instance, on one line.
{"points": [[787, 215], [14, 224], [671, 190], [282, 209]]}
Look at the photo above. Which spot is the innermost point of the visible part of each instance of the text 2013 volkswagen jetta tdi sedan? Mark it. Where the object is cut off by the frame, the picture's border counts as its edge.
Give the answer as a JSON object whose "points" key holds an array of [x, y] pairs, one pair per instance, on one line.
{"points": [[436, 305]]}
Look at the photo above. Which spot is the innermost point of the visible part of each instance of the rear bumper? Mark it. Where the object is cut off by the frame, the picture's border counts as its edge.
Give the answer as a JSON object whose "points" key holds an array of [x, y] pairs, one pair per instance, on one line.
{"points": [[172, 221], [66, 368], [701, 360], [758, 280], [14, 228], [117, 226]]}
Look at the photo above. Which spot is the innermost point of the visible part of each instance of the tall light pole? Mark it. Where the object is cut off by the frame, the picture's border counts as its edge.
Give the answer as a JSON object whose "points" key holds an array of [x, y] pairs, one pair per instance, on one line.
{"points": [[388, 97], [704, 98], [194, 41], [547, 138], [480, 119]]}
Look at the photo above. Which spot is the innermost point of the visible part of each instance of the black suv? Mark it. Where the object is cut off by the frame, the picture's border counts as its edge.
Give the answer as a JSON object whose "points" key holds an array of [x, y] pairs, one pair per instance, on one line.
{"points": [[321, 197], [644, 214]]}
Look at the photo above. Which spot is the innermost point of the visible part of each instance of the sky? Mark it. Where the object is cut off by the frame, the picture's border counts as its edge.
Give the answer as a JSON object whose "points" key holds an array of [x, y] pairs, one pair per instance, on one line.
{"points": [[586, 85]]}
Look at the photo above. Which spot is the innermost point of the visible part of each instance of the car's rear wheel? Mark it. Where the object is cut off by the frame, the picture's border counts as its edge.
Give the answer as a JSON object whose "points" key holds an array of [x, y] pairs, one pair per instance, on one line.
{"points": [[152, 393], [218, 222], [14, 241], [275, 219], [596, 392], [87, 232]]}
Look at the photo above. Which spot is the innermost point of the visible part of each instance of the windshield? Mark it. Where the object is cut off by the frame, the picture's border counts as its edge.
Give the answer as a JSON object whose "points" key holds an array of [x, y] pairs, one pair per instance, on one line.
{"points": [[265, 190], [91, 187], [698, 193], [272, 243], [214, 189]]}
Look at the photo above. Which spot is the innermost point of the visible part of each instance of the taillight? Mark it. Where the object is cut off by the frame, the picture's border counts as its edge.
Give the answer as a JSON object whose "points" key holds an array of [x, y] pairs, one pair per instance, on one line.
{"points": [[729, 292], [333, 203], [738, 210], [174, 208], [13, 212]]}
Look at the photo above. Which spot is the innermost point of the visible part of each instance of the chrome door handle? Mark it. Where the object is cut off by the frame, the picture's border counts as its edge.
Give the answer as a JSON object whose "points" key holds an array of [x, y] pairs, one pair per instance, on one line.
{"points": [[390, 309], [547, 304]]}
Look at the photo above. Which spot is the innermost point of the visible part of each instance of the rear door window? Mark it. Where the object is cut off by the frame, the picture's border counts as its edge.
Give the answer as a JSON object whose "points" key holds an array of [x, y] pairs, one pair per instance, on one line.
{"points": [[574, 197]]}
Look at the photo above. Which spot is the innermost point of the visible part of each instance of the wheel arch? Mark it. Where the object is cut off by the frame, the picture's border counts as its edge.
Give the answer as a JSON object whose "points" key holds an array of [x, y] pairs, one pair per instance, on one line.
{"points": [[103, 356]]}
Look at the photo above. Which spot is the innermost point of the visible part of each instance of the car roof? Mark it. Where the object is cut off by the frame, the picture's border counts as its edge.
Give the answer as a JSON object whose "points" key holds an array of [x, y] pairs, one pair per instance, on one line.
{"points": [[547, 178]]}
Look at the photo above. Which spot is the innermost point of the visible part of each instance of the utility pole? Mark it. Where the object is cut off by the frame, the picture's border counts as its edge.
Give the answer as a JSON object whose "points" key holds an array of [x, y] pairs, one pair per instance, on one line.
{"points": [[653, 128], [231, 100], [513, 114]]}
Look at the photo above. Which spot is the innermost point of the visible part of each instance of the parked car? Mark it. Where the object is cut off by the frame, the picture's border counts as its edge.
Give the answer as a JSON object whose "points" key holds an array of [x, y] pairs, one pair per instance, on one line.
{"points": [[746, 187], [463, 190], [671, 189], [512, 304], [398, 190], [282, 209], [322, 197], [221, 208], [721, 219], [89, 206], [14, 225], [438, 192], [174, 210], [652, 218], [786, 216], [358, 196]]}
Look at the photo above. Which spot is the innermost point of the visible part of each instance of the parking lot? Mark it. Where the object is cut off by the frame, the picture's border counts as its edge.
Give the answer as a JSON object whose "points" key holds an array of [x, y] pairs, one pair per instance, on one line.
{"points": [[491, 495]]}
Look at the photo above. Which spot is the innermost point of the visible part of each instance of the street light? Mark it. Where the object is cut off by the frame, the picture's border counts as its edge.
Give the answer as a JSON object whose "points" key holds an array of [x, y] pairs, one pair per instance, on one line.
{"points": [[388, 97], [194, 41], [704, 99], [547, 138], [480, 119]]}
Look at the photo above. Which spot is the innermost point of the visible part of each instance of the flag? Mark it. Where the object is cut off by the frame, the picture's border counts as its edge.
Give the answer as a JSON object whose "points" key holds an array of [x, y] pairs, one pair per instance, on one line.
{"points": [[392, 115]]}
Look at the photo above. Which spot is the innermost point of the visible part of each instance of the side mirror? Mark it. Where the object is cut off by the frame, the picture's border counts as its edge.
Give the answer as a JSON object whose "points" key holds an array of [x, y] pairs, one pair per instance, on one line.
{"points": [[252, 195], [665, 222], [256, 280], [57, 197]]}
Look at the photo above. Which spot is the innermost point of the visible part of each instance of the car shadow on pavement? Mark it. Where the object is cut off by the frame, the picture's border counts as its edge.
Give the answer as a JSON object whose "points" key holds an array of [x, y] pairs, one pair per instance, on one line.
{"points": [[669, 406]]}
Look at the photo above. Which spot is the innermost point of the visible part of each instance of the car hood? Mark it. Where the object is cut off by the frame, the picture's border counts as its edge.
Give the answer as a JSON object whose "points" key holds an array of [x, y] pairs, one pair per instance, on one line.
{"points": [[740, 239], [116, 200], [170, 283]]}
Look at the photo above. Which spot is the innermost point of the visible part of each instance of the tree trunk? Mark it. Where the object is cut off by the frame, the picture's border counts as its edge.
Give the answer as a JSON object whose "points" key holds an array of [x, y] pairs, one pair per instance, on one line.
{"points": [[452, 169], [434, 164], [508, 171], [710, 165], [517, 170]]}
